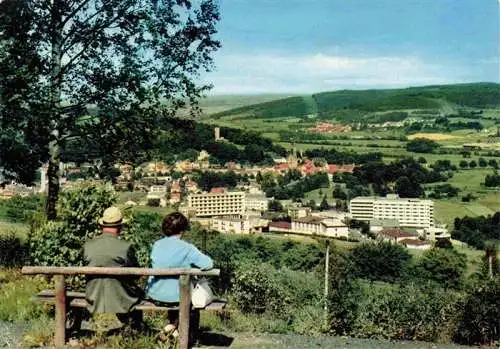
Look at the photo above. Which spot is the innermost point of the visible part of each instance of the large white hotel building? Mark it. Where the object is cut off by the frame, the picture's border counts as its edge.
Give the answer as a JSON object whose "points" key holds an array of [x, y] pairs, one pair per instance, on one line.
{"points": [[416, 213], [218, 204]]}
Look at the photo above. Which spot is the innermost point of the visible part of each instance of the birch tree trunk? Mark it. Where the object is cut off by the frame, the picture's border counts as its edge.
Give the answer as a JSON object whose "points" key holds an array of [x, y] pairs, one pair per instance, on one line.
{"points": [[55, 110]]}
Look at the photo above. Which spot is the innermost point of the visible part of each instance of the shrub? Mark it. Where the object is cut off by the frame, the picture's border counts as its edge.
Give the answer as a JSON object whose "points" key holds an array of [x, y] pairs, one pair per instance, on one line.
{"points": [[344, 295], [13, 253], [144, 230], [78, 213], [259, 288], [382, 261], [408, 313], [256, 290], [154, 202], [443, 266], [15, 294], [21, 208], [422, 145], [480, 317]]}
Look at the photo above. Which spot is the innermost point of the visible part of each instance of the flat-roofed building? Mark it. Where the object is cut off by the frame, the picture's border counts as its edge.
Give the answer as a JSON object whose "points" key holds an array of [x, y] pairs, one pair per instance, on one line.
{"points": [[223, 203], [311, 225], [256, 202], [408, 212]]}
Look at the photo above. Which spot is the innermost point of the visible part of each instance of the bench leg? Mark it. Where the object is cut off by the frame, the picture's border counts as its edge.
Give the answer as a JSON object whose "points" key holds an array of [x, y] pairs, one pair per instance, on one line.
{"points": [[184, 310], [60, 298]]}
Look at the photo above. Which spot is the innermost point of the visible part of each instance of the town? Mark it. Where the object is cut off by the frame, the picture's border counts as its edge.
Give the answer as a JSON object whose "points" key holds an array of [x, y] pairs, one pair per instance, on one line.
{"points": [[245, 209]]}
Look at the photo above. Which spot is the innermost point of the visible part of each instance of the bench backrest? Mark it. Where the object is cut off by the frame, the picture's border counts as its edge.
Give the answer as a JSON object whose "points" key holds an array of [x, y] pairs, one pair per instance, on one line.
{"points": [[120, 271]]}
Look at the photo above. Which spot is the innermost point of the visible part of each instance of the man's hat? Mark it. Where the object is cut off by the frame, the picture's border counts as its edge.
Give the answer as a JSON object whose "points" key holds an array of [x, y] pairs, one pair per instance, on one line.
{"points": [[112, 217]]}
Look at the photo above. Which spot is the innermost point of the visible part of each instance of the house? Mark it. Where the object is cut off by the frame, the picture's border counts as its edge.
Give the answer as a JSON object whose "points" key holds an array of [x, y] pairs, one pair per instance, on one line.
{"points": [[313, 226], [415, 244], [334, 168], [396, 235], [298, 212], [158, 192], [230, 225]]}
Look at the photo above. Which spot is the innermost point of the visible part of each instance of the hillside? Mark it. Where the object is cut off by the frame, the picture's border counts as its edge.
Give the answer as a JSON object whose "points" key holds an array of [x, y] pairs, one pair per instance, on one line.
{"points": [[219, 103], [334, 104]]}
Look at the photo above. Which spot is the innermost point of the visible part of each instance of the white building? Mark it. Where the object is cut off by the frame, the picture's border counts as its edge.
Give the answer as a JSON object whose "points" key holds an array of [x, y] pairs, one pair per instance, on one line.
{"points": [[415, 213], [224, 203], [311, 225], [230, 225], [158, 192], [256, 202]]}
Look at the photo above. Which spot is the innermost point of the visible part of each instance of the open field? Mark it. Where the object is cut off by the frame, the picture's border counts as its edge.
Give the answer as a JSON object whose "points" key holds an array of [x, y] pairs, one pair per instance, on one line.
{"points": [[432, 136]]}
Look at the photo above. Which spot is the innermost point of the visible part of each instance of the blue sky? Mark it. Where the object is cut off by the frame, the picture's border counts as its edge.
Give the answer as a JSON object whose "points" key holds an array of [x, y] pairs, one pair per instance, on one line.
{"points": [[301, 46]]}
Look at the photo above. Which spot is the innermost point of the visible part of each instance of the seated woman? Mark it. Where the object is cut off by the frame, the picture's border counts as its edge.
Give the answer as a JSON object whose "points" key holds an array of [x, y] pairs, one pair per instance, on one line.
{"points": [[173, 252]]}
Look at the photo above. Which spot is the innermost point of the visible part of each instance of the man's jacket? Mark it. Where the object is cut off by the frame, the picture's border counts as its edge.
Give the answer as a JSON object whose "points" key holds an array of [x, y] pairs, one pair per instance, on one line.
{"points": [[108, 294]]}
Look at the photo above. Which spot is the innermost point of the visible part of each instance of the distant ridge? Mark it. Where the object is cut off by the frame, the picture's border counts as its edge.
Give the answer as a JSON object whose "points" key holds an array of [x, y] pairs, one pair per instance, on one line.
{"points": [[474, 95]]}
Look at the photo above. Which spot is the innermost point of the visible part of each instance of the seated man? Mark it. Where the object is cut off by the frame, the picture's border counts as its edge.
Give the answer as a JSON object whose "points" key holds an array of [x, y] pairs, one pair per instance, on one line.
{"points": [[109, 294], [173, 252]]}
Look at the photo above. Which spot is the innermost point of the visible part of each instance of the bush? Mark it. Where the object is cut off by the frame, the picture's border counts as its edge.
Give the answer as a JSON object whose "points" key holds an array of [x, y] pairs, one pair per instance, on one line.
{"points": [[154, 202], [13, 253], [15, 294], [259, 288], [144, 230], [480, 317], [422, 145], [407, 313], [256, 290], [443, 266], [78, 214], [20, 209], [383, 261]]}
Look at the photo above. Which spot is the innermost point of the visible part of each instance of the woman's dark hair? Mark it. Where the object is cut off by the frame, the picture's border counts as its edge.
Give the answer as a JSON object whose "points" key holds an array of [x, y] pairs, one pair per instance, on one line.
{"points": [[174, 223]]}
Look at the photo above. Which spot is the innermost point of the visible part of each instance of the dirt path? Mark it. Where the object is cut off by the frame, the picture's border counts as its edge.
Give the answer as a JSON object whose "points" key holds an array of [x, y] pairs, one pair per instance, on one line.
{"points": [[274, 341], [10, 335]]}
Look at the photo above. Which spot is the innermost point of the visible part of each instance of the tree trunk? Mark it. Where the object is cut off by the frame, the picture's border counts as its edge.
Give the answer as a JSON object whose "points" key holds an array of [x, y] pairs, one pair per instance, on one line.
{"points": [[55, 101]]}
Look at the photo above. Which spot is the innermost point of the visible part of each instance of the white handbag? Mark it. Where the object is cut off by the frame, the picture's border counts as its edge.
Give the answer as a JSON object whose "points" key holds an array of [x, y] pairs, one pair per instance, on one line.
{"points": [[201, 294]]}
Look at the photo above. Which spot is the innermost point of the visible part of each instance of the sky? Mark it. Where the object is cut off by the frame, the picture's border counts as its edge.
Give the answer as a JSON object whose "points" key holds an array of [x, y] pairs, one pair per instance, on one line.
{"points": [[306, 46]]}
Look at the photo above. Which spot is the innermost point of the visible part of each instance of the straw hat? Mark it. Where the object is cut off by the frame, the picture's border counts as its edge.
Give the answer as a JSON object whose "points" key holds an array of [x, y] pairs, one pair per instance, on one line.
{"points": [[112, 217]]}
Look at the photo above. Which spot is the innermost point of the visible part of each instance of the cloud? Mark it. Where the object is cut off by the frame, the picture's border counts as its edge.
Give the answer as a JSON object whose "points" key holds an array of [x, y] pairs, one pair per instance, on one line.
{"points": [[279, 73]]}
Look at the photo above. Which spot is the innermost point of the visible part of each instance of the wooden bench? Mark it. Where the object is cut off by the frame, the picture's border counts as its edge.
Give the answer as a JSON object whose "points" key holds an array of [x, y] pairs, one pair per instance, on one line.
{"points": [[64, 299]]}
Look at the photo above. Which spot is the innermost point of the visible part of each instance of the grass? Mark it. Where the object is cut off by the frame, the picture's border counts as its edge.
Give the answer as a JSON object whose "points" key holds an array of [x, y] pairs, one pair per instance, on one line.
{"points": [[18, 229], [15, 293]]}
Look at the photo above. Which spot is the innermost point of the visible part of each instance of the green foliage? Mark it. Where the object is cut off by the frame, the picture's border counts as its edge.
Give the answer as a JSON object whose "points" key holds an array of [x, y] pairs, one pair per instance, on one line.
{"points": [[492, 180], [480, 323], [333, 156], [154, 202], [442, 265], [383, 261], [262, 288], [407, 313], [79, 210], [352, 105], [20, 208], [275, 206], [478, 230], [13, 253], [344, 294], [16, 292], [422, 145], [209, 179], [144, 229]]}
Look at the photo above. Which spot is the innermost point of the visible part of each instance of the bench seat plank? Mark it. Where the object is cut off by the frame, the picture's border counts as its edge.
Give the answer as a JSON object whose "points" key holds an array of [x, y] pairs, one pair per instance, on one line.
{"points": [[77, 300]]}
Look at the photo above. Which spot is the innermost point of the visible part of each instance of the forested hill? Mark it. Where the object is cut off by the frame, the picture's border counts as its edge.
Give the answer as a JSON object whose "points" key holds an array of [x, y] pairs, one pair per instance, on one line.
{"points": [[475, 95]]}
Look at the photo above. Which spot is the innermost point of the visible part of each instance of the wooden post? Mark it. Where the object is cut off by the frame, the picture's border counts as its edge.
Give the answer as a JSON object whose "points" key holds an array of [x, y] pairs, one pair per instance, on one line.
{"points": [[60, 298], [184, 310], [327, 267]]}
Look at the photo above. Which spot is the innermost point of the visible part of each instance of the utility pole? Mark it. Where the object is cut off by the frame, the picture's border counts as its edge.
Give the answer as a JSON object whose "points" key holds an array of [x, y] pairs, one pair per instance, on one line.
{"points": [[327, 265]]}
